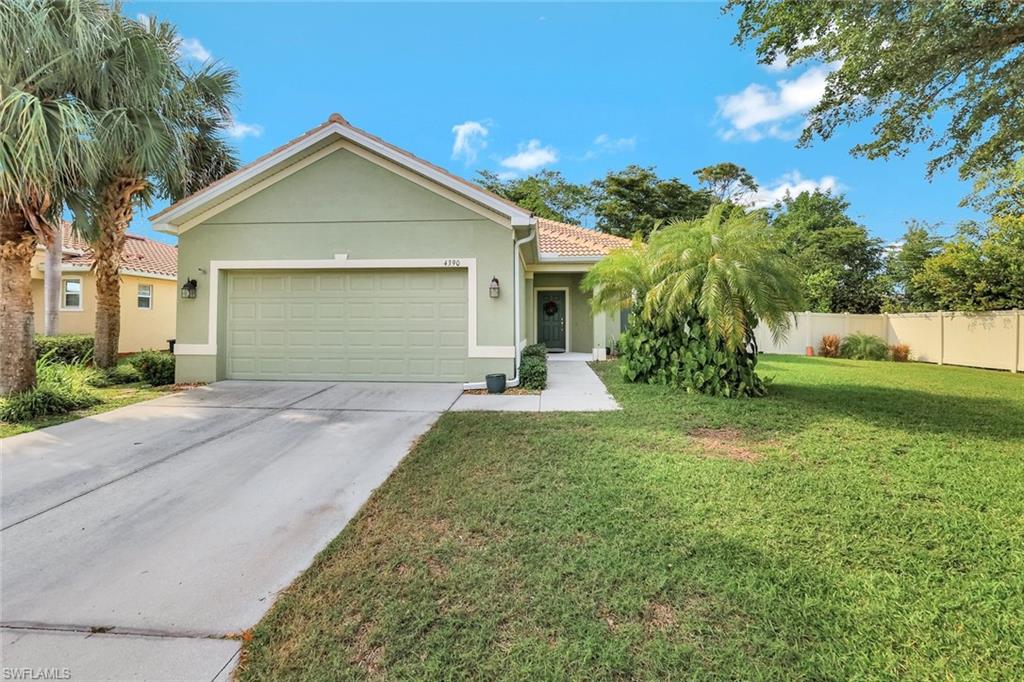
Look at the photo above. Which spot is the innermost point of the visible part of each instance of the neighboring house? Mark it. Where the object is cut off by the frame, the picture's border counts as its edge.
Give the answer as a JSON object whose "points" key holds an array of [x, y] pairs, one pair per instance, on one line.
{"points": [[149, 291], [341, 257]]}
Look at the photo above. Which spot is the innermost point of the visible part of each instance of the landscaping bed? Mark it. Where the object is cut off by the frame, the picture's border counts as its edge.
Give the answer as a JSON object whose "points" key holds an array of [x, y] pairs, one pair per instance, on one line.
{"points": [[862, 521], [111, 398]]}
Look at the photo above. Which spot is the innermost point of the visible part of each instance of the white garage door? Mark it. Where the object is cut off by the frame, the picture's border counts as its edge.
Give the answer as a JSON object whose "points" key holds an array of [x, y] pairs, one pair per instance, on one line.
{"points": [[373, 325]]}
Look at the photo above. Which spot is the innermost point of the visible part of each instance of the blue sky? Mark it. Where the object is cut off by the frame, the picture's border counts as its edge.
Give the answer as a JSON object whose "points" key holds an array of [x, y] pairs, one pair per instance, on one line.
{"points": [[579, 88]]}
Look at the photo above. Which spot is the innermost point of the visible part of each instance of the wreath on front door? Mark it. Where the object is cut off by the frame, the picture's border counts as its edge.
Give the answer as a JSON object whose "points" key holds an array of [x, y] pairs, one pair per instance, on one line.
{"points": [[550, 308]]}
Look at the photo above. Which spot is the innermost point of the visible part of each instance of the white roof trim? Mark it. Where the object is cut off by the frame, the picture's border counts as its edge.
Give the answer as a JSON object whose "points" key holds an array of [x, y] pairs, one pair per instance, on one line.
{"points": [[550, 257], [165, 221]]}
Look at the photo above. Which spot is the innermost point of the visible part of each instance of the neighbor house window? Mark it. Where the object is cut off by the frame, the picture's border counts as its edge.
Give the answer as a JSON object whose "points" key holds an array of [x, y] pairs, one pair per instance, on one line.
{"points": [[71, 294], [145, 297]]}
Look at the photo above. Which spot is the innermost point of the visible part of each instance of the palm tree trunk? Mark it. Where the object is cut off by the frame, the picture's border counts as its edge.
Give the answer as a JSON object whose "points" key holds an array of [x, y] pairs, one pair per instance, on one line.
{"points": [[51, 284], [114, 216], [17, 328]]}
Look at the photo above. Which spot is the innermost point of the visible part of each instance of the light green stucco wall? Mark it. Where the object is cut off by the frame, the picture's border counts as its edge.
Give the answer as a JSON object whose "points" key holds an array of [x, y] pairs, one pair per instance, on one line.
{"points": [[345, 204]]}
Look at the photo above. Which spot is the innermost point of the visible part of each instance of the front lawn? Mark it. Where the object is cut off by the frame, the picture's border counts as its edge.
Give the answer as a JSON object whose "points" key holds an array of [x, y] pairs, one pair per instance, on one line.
{"points": [[865, 521], [112, 397]]}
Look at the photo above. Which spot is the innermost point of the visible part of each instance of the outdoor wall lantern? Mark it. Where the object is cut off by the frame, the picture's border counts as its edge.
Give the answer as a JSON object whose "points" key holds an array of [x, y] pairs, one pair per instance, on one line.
{"points": [[494, 289], [188, 289]]}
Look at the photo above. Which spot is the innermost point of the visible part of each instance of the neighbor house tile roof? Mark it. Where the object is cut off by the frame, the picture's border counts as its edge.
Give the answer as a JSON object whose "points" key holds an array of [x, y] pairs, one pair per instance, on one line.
{"points": [[563, 239], [139, 255]]}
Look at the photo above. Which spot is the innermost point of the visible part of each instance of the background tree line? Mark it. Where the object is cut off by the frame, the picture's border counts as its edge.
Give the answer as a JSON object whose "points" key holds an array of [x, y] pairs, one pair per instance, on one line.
{"points": [[843, 268]]}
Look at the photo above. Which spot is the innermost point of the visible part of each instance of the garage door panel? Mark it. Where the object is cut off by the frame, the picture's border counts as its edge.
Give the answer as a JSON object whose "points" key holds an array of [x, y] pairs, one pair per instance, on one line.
{"points": [[358, 325]]}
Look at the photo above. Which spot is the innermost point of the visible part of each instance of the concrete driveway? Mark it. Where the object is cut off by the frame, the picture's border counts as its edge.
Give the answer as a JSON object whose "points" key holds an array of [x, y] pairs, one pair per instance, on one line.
{"points": [[135, 542]]}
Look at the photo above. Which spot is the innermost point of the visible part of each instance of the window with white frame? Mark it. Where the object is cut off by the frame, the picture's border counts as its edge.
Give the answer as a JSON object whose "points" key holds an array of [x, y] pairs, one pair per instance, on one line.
{"points": [[71, 293], [145, 296]]}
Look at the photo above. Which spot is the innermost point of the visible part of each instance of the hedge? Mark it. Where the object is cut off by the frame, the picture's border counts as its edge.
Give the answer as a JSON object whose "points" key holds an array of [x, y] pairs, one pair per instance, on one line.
{"points": [[67, 348]]}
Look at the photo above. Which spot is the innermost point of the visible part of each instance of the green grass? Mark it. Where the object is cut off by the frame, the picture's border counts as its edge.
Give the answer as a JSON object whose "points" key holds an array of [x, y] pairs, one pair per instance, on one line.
{"points": [[113, 398], [877, 533]]}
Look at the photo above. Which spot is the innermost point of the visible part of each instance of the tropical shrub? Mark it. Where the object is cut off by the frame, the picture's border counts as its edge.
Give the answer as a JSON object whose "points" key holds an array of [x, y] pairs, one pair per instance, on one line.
{"points": [[156, 367], [686, 355], [697, 291], [861, 346], [533, 372], [535, 350], [829, 346], [899, 352], [66, 348], [60, 388], [123, 372]]}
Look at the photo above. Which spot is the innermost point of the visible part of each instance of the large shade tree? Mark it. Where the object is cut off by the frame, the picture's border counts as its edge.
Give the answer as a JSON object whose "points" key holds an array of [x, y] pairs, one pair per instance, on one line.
{"points": [[697, 291], [635, 200], [160, 133], [547, 194], [903, 62], [840, 263], [48, 54]]}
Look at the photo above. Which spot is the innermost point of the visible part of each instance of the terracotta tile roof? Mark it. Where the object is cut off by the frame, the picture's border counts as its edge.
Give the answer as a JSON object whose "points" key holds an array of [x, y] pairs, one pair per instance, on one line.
{"points": [[564, 239], [140, 254]]}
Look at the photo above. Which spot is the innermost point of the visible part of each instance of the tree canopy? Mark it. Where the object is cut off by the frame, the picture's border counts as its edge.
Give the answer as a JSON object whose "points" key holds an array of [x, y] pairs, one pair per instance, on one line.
{"points": [[839, 261], [634, 200], [726, 181], [904, 62], [918, 244], [980, 268], [548, 194]]}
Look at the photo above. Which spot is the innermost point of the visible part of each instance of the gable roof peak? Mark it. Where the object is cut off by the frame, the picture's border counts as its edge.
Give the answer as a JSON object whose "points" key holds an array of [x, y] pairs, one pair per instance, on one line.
{"points": [[337, 118]]}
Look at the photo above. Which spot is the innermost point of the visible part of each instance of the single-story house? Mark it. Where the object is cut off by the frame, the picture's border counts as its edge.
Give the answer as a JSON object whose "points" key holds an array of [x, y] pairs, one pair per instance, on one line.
{"points": [[338, 256], [149, 291]]}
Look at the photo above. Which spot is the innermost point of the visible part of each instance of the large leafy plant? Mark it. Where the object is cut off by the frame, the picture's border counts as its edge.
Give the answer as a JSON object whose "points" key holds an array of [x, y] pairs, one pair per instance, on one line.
{"points": [[696, 292]]}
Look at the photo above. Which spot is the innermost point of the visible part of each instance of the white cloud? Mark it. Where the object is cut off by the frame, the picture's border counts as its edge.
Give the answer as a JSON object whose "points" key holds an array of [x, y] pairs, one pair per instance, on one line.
{"points": [[469, 140], [780, 62], [792, 183], [620, 144], [239, 130], [188, 48], [606, 144], [530, 157], [759, 111], [191, 48]]}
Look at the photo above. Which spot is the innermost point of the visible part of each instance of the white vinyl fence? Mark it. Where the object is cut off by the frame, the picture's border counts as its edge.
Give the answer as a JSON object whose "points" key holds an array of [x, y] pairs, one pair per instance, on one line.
{"points": [[992, 340]]}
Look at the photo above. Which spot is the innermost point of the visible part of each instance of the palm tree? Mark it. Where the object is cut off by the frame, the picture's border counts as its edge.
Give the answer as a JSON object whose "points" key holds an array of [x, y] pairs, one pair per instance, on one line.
{"points": [[48, 53], [724, 269], [697, 290], [160, 134]]}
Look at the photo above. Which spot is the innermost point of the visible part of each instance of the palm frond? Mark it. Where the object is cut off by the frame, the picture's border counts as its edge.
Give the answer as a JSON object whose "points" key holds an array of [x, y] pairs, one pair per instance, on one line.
{"points": [[721, 266]]}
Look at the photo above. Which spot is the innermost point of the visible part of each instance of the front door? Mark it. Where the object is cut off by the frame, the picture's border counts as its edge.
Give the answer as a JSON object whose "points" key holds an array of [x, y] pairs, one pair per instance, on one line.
{"points": [[551, 319]]}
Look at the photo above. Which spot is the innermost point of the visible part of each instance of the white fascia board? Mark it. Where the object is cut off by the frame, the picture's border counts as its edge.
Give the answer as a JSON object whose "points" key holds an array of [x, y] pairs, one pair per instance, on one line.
{"points": [[166, 221], [555, 258]]}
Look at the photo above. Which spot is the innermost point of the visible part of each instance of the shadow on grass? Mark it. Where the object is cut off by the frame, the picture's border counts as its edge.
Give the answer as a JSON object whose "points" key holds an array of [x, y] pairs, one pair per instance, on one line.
{"points": [[908, 409], [838, 392]]}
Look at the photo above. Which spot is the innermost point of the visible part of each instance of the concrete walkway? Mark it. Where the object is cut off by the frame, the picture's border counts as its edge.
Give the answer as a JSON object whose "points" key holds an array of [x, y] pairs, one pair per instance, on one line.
{"points": [[136, 542], [572, 387]]}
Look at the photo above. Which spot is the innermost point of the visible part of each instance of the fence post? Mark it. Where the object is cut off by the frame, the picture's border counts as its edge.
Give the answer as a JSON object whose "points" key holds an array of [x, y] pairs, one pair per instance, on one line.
{"points": [[1016, 341], [846, 324], [942, 337], [885, 322]]}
